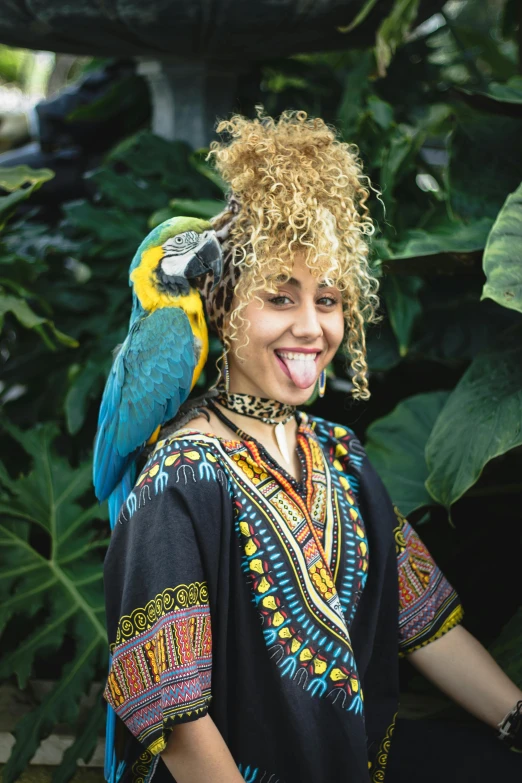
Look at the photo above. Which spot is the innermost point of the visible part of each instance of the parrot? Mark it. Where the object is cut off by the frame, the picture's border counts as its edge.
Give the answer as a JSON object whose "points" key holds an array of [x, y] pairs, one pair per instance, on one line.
{"points": [[163, 354], [154, 369]]}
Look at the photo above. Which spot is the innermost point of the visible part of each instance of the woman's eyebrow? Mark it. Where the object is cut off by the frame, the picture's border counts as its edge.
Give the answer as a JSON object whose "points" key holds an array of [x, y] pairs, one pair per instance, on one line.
{"points": [[326, 284], [288, 281]]}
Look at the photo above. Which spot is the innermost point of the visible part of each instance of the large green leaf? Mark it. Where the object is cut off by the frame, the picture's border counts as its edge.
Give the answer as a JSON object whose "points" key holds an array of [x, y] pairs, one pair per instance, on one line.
{"points": [[393, 30], [454, 331], [19, 182], [356, 86], [52, 577], [506, 648], [510, 93], [118, 233], [25, 316], [503, 255], [381, 347], [401, 294], [486, 151], [480, 421], [399, 155], [172, 164], [86, 385], [396, 444], [125, 192], [447, 249]]}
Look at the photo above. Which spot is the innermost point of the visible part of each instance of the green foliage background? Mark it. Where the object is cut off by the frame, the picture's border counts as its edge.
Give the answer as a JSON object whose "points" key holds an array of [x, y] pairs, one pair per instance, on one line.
{"points": [[436, 111]]}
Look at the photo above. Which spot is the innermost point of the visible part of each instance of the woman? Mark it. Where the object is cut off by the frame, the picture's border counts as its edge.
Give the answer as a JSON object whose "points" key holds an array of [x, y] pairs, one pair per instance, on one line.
{"points": [[260, 594]]}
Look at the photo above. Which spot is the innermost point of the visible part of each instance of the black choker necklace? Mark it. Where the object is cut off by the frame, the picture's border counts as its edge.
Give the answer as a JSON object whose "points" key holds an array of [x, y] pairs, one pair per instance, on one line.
{"points": [[268, 411]]}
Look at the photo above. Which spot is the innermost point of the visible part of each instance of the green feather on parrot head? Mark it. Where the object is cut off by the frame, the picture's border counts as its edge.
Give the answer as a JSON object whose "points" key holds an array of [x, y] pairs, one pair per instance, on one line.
{"points": [[171, 257]]}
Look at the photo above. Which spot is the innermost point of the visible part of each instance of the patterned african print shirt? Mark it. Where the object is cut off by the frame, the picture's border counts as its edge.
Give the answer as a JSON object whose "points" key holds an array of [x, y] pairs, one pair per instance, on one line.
{"points": [[279, 607]]}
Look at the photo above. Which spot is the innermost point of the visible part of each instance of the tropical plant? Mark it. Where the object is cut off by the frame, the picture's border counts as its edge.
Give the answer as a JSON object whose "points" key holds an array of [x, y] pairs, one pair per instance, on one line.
{"points": [[436, 111], [51, 584]]}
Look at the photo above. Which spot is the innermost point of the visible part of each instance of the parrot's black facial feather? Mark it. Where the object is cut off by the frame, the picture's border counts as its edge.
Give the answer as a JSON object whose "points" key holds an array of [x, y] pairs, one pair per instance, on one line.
{"points": [[171, 284]]}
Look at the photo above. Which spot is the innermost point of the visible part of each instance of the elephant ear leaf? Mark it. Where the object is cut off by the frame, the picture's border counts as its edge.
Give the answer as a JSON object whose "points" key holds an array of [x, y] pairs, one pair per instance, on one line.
{"points": [[503, 255], [480, 421], [51, 586], [395, 444]]}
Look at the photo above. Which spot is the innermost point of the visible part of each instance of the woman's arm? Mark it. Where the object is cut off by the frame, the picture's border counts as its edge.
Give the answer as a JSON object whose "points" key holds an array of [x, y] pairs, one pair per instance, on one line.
{"points": [[197, 753], [460, 666]]}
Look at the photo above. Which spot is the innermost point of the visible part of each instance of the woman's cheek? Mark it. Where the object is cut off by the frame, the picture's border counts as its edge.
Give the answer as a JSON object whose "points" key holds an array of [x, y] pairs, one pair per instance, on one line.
{"points": [[267, 328]]}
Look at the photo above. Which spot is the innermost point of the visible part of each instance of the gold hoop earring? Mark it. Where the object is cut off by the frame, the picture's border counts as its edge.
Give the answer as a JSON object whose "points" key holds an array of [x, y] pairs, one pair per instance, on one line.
{"points": [[322, 383], [225, 372]]}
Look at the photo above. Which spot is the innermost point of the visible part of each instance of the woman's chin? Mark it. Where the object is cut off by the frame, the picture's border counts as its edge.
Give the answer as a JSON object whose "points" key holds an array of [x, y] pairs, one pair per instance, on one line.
{"points": [[295, 395]]}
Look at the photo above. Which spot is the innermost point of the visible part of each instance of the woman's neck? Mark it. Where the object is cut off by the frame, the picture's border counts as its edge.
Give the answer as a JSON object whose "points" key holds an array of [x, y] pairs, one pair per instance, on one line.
{"points": [[259, 408]]}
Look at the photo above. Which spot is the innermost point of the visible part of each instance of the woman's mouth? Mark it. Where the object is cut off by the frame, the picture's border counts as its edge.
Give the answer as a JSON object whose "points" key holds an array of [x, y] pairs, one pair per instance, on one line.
{"points": [[299, 366]]}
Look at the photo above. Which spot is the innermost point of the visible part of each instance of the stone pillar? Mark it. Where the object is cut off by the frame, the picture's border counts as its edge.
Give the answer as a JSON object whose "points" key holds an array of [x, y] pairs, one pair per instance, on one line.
{"points": [[188, 98]]}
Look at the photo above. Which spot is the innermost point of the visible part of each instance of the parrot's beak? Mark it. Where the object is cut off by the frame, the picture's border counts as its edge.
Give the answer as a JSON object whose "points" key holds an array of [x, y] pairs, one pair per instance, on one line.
{"points": [[209, 258]]}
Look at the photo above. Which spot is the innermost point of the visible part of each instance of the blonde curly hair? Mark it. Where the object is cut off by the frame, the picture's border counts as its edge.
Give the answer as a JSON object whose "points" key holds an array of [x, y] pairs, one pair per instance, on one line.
{"points": [[299, 189]]}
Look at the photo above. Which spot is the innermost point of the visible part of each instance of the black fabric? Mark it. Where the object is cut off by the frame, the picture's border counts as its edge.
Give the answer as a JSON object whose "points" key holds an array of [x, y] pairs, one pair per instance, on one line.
{"points": [[440, 751], [202, 546]]}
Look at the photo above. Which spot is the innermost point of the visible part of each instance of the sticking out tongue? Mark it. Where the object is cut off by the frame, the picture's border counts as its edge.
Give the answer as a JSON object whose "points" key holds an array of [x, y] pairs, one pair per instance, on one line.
{"points": [[302, 371]]}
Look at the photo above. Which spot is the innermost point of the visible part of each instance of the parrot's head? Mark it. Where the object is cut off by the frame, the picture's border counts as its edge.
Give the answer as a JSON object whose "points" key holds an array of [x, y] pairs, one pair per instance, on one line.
{"points": [[171, 259]]}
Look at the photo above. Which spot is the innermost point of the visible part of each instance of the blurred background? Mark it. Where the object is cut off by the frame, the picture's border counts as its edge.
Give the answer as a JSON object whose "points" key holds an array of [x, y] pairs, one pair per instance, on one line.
{"points": [[106, 114]]}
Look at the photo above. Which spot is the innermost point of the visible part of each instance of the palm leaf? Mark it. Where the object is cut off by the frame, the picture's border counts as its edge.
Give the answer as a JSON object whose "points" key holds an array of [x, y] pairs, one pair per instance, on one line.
{"points": [[51, 582]]}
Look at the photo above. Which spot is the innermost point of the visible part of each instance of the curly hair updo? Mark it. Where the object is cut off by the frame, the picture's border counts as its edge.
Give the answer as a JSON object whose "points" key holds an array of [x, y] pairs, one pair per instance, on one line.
{"points": [[299, 189]]}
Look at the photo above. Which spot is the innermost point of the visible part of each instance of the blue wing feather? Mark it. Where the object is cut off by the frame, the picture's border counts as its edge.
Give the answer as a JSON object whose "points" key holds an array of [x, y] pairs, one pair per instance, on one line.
{"points": [[150, 377]]}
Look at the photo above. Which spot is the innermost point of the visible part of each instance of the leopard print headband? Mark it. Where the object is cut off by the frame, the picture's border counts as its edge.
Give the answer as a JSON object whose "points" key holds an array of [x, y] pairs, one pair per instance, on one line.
{"points": [[219, 301]]}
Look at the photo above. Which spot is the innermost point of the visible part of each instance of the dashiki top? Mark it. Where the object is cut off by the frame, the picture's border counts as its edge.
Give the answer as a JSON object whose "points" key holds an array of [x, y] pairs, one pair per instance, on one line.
{"points": [[279, 607]]}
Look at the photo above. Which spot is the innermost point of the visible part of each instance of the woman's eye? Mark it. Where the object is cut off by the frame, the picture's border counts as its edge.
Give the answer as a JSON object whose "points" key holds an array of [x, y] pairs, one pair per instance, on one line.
{"points": [[329, 301], [280, 300]]}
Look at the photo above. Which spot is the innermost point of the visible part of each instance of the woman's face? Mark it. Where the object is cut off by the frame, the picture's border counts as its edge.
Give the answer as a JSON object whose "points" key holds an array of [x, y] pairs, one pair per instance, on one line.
{"points": [[293, 334]]}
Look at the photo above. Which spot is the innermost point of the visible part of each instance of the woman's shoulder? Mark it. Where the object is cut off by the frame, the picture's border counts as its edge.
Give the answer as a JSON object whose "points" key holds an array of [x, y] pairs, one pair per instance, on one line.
{"points": [[184, 463], [185, 447], [339, 443], [331, 430]]}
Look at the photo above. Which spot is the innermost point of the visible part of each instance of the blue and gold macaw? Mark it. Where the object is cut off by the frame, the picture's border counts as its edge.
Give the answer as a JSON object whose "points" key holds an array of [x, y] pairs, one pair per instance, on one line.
{"points": [[163, 354], [155, 368]]}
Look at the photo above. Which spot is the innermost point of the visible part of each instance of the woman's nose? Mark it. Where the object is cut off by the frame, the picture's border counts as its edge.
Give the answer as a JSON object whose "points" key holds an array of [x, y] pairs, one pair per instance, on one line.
{"points": [[307, 324]]}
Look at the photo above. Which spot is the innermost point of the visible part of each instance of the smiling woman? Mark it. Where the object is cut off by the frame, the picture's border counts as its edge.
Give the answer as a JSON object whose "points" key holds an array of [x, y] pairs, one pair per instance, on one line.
{"points": [[260, 583], [295, 189], [293, 333]]}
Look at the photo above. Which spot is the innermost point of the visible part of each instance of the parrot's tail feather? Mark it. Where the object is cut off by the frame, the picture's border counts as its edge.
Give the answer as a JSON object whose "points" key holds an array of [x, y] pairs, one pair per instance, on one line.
{"points": [[111, 762], [118, 497], [108, 465], [113, 768]]}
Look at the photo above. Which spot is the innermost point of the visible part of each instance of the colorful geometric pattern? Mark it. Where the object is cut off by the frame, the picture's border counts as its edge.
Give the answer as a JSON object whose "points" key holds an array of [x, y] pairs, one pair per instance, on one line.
{"points": [[428, 605], [161, 664], [305, 558], [291, 534]]}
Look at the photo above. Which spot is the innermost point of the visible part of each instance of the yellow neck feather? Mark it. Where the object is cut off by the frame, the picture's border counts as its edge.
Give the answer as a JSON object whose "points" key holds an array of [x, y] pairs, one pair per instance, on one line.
{"points": [[151, 299]]}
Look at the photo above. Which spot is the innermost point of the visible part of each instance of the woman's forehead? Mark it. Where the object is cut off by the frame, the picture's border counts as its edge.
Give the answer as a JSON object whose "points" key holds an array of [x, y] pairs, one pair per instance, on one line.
{"points": [[301, 275]]}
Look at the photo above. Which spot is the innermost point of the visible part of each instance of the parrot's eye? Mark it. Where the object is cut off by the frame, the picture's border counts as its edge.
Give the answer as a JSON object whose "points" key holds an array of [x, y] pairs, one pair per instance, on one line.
{"points": [[181, 244]]}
